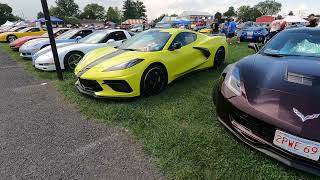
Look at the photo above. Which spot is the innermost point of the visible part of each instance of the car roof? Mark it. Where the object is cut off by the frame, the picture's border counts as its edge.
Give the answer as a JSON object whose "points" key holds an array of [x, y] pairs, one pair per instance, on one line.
{"points": [[303, 30], [173, 30]]}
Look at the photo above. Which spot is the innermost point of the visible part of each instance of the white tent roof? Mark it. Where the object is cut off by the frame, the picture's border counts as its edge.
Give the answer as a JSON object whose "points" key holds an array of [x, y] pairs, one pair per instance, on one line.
{"points": [[294, 19], [8, 23]]}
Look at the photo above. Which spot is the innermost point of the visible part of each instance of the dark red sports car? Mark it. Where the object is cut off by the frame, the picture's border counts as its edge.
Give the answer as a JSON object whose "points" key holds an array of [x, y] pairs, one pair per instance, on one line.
{"points": [[271, 100]]}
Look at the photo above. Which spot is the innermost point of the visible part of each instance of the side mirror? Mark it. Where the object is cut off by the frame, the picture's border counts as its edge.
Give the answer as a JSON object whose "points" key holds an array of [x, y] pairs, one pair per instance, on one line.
{"points": [[254, 46], [111, 41], [175, 46], [78, 38]]}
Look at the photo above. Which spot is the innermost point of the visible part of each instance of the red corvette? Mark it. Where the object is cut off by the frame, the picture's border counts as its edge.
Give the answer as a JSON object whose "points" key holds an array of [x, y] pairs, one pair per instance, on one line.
{"points": [[15, 45]]}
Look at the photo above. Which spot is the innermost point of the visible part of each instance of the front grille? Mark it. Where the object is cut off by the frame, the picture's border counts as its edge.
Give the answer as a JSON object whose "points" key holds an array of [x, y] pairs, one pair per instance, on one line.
{"points": [[90, 85], [258, 127], [119, 85]]}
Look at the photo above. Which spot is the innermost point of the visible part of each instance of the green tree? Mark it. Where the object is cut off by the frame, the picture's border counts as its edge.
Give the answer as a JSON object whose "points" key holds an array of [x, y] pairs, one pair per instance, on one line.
{"points": [[40, 15], [218, 16], [155, 21], [93, 11], [230, 13], [5, 13], [65, 8], [140, 9], [269, 7], [72, 20], [129, 9], [247, 13], [133, 9], [113, 15]]}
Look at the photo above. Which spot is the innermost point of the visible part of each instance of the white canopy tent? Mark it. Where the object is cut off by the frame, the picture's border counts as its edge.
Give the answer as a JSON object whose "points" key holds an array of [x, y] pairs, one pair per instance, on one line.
{"points": [[295, 19], [8, 23]]}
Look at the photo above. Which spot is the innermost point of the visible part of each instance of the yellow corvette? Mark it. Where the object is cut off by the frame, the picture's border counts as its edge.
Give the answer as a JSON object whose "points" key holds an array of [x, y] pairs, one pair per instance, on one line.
{"points": [[29, 31], [147, 62]]}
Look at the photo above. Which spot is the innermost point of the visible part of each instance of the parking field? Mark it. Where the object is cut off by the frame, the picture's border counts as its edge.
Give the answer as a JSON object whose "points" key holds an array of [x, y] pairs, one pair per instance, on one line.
{"points": [[177, 128]]}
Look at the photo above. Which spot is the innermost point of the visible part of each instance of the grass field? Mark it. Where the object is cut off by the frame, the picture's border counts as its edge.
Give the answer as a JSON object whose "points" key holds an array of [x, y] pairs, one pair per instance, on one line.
{"points": [[179, 128]]}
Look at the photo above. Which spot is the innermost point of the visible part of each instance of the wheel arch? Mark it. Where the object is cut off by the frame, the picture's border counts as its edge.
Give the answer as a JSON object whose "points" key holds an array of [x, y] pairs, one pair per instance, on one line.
{"points": [[63, 60]]}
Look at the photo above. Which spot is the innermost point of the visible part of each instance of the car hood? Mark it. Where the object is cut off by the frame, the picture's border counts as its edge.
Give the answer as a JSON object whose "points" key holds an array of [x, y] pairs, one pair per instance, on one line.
{"points": [[103, 58], [59, 46], [35, 42], [286, 90], [24, 39]]}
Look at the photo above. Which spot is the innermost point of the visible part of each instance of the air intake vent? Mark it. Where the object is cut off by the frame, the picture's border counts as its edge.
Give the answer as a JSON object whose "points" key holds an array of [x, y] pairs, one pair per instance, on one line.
{"points": [[299, 79]]}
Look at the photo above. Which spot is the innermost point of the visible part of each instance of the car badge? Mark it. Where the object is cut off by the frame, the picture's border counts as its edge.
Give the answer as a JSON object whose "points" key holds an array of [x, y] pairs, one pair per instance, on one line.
{"points": [[305, 118]]}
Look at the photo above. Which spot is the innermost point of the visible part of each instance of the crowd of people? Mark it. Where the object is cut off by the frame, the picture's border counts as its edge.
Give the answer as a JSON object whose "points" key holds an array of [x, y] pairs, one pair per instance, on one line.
{"points": [[232, 28]]}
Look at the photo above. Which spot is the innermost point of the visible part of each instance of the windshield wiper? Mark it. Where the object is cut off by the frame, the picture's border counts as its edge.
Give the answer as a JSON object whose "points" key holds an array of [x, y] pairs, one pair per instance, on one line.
{"points": [[274, 55]]}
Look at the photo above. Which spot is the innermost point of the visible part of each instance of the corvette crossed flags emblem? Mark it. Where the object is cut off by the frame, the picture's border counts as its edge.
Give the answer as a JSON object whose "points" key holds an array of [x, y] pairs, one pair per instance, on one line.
{"points": [[305, 118]]}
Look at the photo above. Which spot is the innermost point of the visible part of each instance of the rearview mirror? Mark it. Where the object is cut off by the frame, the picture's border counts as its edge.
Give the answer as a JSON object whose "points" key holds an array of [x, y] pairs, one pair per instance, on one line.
{"points": [[254, 46], [175, 46], [111, 41]]}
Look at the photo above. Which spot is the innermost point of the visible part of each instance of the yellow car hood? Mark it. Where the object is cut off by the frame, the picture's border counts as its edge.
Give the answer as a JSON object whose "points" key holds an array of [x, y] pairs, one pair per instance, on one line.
{"points": [[103, 58]]}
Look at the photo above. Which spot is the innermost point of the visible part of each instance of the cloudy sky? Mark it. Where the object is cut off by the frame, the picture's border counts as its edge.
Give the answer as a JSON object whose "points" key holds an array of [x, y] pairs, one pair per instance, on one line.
{"points": [[29, 8]]}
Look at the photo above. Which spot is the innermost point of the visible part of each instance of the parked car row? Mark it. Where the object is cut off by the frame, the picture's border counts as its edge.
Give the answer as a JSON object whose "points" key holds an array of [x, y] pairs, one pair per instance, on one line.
{"points": [[117, 63], [268, 100]]}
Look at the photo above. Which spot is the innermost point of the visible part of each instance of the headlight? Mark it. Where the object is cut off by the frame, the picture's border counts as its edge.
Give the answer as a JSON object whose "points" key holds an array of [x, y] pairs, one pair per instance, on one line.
{"points": [[124, 65], [232, 81]]}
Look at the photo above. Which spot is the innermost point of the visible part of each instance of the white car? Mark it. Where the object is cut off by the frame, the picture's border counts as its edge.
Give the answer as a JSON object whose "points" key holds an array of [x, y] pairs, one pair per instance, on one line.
{"points": [[28, 49], [71, 54]]}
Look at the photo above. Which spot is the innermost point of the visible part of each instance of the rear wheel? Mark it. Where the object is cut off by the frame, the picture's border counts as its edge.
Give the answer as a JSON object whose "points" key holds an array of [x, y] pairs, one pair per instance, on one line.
{"points": [[154, 80], [11, 38], [219, 58], [72, 59]]}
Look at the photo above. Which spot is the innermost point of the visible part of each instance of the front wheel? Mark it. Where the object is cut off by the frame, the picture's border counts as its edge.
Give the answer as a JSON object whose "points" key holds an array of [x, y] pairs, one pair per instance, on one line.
{"points": [[153, 80], [72, 59], [11, 38], [219, 58]]}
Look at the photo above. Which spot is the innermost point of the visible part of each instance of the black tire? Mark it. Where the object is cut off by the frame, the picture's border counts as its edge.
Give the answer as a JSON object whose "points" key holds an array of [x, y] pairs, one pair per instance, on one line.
{"points": [[11, 38], [72, 59], [154, 80], [219, 58]]}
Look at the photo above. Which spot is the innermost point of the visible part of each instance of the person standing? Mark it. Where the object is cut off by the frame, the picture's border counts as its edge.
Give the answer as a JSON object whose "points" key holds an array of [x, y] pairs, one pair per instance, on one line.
{"points": [[231, 30], [312, 21], [215, 27]]}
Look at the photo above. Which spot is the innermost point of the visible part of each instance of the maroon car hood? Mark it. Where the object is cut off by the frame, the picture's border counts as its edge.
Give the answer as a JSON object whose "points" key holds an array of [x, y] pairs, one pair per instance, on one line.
{"points": [[287, 90]]}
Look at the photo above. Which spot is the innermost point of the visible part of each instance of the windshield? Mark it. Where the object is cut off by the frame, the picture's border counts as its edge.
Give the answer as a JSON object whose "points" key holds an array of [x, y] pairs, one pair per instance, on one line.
{"points": [[24, 30], [295, 43], [94, 38], [147, 41], [68, 34]]}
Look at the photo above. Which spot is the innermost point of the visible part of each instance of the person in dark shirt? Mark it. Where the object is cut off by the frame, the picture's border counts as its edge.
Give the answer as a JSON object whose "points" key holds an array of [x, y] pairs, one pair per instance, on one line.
{"points": [[312, 21], [215, 27]]}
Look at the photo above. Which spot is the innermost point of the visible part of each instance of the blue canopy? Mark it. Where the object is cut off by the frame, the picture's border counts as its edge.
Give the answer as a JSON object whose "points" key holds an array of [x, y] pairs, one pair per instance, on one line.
{"points": [[181, 21], [52, 18]]}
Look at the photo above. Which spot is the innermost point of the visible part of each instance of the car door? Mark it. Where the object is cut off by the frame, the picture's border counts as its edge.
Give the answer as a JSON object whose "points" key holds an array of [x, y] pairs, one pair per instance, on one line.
{"points": [[187, 57]]}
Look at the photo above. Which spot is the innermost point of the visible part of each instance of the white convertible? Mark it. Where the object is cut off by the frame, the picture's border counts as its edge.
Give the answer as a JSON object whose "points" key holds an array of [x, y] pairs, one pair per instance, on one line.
{"points": [[71, 54]]}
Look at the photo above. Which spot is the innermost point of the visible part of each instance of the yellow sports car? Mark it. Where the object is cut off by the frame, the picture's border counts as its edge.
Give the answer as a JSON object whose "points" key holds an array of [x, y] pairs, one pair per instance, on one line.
{"points": [[147, 62], [29, 31]]}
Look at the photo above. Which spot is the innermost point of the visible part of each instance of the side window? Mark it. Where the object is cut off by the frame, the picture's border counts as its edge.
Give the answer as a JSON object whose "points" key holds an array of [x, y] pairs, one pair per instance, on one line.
{"points": [[185, 38], [85, 33], [119, 35], [34, 30]]}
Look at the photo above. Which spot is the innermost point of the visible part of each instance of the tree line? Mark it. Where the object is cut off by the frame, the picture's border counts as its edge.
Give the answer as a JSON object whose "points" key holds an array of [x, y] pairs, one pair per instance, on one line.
{"points": [[71, 13], [6, 14]]}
